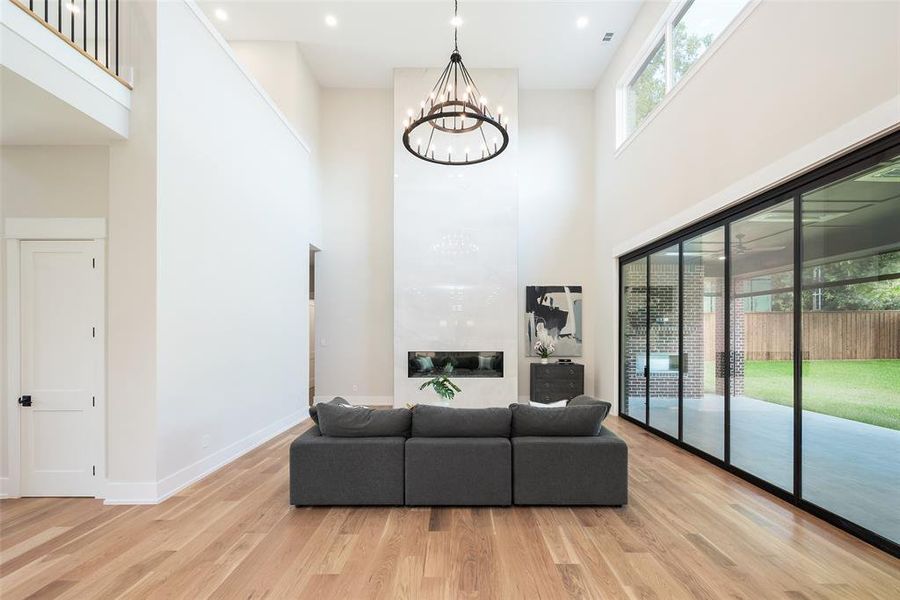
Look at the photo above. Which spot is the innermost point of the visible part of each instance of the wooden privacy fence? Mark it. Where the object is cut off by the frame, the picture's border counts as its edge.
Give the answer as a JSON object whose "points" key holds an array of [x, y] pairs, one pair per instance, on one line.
{"points": [[839, 335]]}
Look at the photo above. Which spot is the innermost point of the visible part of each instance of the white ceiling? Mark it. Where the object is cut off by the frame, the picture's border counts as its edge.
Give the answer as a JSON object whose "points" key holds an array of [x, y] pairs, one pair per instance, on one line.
{"points": [[540, 38]]}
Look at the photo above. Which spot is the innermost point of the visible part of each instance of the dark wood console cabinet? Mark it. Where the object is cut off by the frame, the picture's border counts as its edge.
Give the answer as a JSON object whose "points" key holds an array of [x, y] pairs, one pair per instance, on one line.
{"points": [[556, 381]]}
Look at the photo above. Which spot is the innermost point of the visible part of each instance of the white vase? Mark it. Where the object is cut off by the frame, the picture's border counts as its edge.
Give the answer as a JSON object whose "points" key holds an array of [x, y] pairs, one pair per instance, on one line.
{"points": [[545, 361]]}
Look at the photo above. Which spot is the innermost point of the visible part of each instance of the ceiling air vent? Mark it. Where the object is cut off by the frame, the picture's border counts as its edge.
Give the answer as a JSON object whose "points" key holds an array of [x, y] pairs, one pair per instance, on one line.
{"points": [[607, 37]]}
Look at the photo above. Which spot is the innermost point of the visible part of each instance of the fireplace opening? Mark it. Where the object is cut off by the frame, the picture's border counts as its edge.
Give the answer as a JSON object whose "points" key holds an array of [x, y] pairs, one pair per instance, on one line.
{"points": [[456, 364]]}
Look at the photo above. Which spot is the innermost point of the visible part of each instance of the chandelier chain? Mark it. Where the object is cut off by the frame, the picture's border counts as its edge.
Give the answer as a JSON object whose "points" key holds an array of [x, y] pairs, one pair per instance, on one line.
{"points": [[456, 26]]}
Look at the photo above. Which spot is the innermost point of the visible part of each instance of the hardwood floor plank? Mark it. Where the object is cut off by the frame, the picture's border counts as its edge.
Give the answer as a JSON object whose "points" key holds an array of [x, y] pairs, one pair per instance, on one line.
{"points": [[690, 530]]}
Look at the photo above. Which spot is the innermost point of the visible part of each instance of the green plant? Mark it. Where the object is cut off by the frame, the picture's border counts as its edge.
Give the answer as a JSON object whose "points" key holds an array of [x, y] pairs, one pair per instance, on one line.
{"points": [[442, 385]]}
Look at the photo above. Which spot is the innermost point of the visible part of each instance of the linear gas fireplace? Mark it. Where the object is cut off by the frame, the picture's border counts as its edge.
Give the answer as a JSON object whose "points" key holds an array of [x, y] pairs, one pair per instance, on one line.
{"points": [[459, 364]]}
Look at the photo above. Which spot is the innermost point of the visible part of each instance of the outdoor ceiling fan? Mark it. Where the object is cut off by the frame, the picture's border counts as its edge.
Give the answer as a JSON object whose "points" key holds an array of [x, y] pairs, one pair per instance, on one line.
{"points": [[741, 248]]}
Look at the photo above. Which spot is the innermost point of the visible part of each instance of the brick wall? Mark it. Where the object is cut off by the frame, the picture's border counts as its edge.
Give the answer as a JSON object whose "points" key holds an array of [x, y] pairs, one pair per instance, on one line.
{"points": [[664, 331]]}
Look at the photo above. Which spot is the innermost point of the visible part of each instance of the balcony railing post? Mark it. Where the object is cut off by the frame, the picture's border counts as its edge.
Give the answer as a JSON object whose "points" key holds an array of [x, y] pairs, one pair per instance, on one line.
{"points": [[108, 35]]}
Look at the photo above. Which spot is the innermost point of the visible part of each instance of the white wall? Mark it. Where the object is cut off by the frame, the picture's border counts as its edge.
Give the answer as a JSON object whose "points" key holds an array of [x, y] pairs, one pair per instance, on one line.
{"points": [[556, 207], [455, 248], [281, 70], [795, 83], [354, 271], [45, 182], [131, 279], [54, 181], [555, 178], [232, 252]]}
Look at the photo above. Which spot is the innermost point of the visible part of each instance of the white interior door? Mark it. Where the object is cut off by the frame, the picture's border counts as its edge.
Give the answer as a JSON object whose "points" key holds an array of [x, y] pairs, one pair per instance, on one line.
{"points": [[61, 308]]}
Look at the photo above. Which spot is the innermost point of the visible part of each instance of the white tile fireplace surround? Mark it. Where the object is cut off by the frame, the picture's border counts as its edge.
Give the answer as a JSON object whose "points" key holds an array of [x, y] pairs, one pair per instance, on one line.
{"points": [[455, 251]]}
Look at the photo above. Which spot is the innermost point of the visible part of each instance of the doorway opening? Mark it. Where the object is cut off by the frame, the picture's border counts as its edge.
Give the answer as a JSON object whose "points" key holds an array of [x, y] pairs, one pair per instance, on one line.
{"points": [[312, 323]]}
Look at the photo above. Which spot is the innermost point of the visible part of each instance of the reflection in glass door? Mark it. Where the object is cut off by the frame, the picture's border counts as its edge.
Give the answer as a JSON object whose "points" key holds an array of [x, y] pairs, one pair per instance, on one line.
{"points": [[705, 361], [663, 359], [634, 340], [761, 339], [851, 348]]}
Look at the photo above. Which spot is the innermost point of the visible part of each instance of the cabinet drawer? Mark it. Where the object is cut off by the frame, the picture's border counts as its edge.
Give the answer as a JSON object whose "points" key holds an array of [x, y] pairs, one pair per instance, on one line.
{"points": [[558, 385], [558, 371]]}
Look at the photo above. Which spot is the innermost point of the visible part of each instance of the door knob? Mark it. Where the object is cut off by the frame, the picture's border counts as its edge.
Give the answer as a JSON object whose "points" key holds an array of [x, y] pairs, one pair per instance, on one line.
{"points": [[25, 401]]}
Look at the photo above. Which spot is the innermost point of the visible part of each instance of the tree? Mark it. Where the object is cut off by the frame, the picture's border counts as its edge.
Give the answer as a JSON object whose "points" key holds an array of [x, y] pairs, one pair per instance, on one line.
{"points": [[649, 88]]}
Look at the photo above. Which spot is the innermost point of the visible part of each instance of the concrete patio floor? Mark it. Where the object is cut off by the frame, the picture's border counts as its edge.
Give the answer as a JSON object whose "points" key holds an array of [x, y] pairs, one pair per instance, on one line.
{"points": [[849, 468]]}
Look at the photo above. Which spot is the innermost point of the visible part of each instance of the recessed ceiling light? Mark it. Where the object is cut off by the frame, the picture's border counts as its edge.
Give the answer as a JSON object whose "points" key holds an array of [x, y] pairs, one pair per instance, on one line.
{"points": [[456, 21], [331, 20], [581, 22], [221, 14]]}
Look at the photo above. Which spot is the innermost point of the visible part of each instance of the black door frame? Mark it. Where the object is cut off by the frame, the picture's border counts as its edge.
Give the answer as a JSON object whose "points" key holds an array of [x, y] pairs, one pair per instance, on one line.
{"points": [[847, 164]]}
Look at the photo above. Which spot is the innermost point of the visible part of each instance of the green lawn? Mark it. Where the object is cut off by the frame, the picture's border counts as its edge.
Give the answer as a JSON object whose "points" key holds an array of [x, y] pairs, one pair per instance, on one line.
{"points": [[861, 390]]}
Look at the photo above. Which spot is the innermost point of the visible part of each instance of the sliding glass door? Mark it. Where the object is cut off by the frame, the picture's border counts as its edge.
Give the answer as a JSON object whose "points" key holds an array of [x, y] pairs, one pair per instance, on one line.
{"points": [[704, 357], [767, 339], [664, 359], [851, 347], [634, 340], [761, 250]]}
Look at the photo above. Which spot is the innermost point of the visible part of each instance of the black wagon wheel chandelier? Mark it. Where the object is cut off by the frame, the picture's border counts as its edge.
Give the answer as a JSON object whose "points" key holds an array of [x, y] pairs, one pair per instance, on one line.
{"points": [[454, 124]]}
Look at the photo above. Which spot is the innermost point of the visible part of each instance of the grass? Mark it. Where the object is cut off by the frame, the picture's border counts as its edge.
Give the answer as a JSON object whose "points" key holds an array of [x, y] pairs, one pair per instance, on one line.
{"points": [[861, 390]]}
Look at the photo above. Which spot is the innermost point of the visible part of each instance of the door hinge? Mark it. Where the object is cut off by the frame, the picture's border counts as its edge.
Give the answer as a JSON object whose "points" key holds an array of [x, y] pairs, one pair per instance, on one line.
{"points": [[93, 332], [94, 470], [93, 401], [93, 263]]}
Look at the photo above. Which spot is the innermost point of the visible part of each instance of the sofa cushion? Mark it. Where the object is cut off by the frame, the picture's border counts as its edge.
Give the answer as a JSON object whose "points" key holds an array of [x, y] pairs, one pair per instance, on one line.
{"points": [[458, 471], [570, 470], [441, 421], [314, 409], [336, 420], [567, 421], [585, 400], [346, 471]]}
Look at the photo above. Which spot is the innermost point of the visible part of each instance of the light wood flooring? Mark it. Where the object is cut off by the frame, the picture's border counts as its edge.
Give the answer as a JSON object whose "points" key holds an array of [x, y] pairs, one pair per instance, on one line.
{"points": [[690, 531]]}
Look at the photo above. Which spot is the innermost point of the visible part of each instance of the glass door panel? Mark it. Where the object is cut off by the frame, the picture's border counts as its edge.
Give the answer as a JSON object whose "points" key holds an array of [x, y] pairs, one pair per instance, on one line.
{"points": [[851, 348], [761, 250], [704, 358], [634, 340], [663, 360]]}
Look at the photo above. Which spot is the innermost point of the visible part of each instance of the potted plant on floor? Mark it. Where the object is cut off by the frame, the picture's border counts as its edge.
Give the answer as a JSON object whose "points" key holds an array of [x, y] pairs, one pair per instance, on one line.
{"points": [[442, 386]]}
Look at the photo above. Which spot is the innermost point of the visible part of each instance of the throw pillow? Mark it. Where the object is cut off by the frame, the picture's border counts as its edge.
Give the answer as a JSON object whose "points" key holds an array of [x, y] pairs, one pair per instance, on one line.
{"points": [[314, 409], [585, 400], [559, 404]]}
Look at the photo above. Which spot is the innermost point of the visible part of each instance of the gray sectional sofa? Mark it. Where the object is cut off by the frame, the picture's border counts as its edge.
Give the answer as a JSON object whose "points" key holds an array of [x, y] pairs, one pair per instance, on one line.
{"points": [[436, 456]]}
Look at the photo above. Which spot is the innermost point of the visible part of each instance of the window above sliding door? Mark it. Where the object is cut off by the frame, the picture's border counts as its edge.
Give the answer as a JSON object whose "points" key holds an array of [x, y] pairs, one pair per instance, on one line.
{"points": [[689, 32]]}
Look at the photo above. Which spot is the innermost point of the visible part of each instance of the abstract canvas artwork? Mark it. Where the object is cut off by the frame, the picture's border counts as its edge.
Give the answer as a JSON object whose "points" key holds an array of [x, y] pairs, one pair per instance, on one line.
{"points": [[555, 309]]}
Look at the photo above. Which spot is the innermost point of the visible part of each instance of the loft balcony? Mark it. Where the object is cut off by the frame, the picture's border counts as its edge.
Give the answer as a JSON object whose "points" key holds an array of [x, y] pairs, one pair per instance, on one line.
{"points": [[63, 72]]}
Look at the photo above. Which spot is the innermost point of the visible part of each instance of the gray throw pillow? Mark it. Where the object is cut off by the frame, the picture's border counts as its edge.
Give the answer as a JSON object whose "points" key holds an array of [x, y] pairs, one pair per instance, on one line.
{"points": [[585, 400], [314, 409], [566, 421], [346, 421], [442, 421]]}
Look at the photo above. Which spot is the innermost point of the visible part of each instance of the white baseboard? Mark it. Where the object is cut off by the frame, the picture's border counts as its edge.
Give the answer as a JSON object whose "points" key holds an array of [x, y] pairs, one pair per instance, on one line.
{"points": [[154, 492], [182, 478], [359, 400], [130, 492], [4, 487]]}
